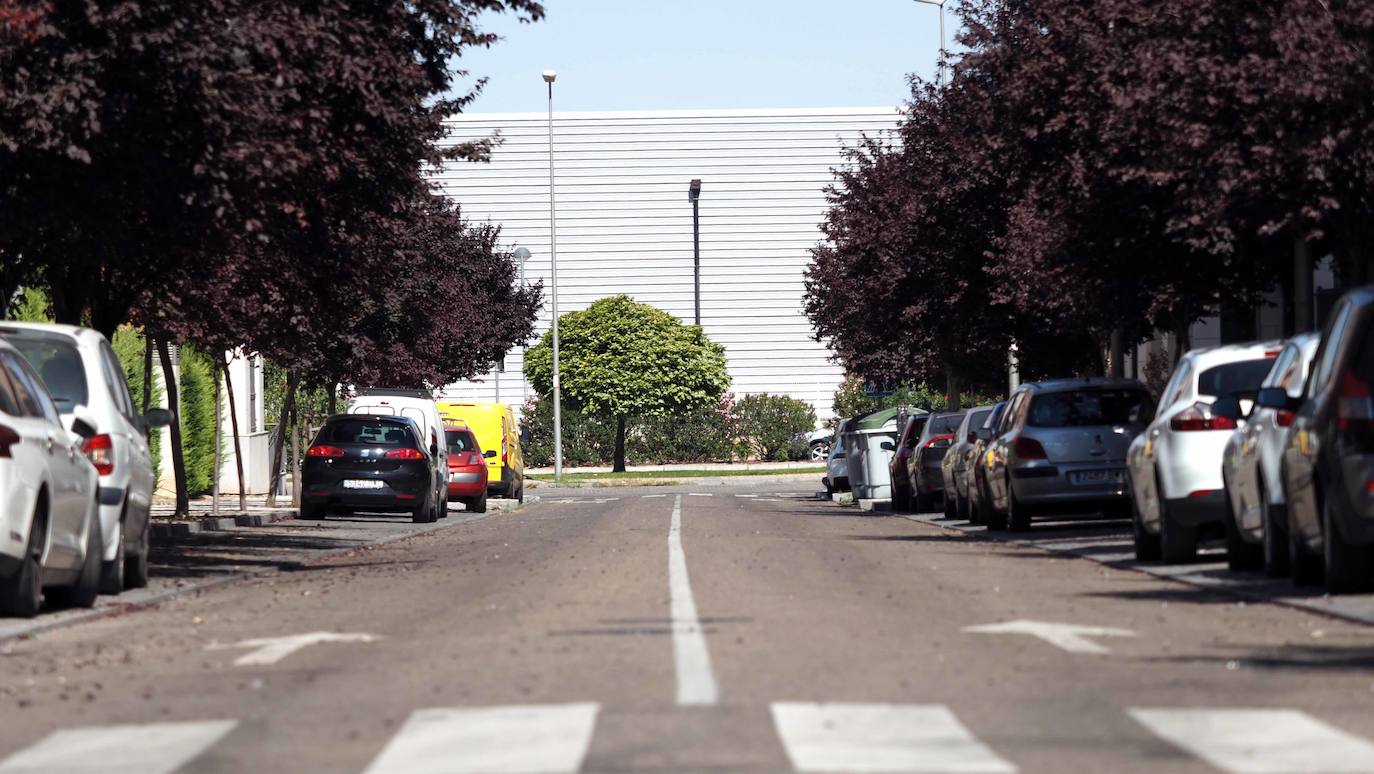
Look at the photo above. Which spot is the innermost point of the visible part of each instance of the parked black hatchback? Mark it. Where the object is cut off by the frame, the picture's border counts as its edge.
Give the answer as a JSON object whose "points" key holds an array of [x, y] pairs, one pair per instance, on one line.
{"points": [[361, 462], [1328, 459]]}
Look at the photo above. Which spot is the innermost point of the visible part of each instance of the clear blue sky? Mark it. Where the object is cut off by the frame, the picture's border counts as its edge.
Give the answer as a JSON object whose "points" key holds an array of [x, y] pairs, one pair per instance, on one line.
{"points": [[666, 54]]}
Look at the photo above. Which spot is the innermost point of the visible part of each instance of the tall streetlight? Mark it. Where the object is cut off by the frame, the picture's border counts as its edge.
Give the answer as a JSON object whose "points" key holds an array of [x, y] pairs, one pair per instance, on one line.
{"points": [[549, 76], [693, 194], [941, 5], [521, 255]]}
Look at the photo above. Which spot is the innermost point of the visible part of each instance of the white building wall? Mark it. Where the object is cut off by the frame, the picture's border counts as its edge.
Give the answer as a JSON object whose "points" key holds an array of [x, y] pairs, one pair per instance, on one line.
{"points": [[625, 225]]}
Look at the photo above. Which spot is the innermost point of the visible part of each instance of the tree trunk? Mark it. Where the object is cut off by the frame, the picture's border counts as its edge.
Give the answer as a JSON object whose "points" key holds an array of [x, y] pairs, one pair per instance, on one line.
{"points": [[1302, 286], [296, 458], [618, 464], [288, 407], [147, 371], [1118, 356], [234, 428], [954, 389], [333, 397], [183, 507]]}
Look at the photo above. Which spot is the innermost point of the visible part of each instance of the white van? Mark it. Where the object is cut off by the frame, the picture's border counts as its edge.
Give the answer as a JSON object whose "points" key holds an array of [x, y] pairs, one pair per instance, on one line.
{"points": [[418, 405]]}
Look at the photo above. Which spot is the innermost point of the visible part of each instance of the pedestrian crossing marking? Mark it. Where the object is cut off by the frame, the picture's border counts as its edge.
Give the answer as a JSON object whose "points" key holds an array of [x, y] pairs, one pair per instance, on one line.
{"points": [[548, 739], [152, 748], [882, 739], [1260, 741]]}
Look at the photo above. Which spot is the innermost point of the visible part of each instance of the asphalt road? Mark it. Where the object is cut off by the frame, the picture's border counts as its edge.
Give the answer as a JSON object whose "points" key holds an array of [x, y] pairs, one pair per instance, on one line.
{"points": [[758, 629]]}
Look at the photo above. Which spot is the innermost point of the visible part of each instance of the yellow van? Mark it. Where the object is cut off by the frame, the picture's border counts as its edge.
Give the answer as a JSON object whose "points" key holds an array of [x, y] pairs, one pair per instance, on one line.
{"points": [[499, 436]]}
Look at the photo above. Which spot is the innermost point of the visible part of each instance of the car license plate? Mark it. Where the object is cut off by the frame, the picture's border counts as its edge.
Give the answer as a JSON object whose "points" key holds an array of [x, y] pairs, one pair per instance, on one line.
{"points": [[363, 483], [1097, 477]]}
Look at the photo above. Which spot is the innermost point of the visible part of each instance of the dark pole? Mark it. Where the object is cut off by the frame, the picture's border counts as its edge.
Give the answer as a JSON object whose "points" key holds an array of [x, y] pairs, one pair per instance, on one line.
{"points": [[694, 194]]}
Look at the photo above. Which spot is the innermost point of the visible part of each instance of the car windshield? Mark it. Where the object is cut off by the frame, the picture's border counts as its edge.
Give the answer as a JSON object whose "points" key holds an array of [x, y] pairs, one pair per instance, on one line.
{"points": [[944, 424], [371, 432], [460, 441], [1080, 408], [58, 362], [1240, 378]]}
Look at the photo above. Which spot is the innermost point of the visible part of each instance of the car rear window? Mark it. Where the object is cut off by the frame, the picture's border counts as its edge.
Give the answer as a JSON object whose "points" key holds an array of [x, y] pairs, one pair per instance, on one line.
{"points": [[944, 424], [1086, 407], [372, 432], [58, 362], [1242, 377], [460, 441]]}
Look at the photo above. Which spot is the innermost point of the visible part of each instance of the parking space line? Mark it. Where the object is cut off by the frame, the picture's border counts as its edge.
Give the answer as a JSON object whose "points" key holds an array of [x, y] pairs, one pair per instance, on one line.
{"points": [[150, 748], [888, 738], [491, 740], [696, 684], [1260, 741]]}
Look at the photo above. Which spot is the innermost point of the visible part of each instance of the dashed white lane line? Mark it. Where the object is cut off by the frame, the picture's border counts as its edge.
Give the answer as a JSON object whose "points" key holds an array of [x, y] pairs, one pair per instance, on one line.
{"points": [[491, 740], [1261, 741], [152, 748], [696, 684], [886, 738], [650, 497], [746, 495], [700, 494]]}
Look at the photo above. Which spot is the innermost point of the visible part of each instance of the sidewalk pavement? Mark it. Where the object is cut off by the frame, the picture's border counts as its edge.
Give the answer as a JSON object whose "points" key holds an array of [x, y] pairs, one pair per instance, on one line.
{"points": [[778, 466]]}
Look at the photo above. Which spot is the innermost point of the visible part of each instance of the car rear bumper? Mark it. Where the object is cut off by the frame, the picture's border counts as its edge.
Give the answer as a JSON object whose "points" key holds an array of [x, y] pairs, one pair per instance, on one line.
{"points": [[932, 480], [1069, 484], [401, 489], [466, 482], [1209, 508]]}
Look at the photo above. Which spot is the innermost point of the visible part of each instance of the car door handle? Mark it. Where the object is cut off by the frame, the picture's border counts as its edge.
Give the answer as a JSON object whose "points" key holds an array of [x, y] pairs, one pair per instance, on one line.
{"points": [[49, 444]]}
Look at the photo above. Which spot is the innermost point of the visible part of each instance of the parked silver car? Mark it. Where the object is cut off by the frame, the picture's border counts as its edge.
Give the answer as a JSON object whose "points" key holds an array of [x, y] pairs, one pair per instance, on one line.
{"points": [[1061, 445], [955, 465], [84, 376], [836, 478], [975, 485], [1257, 516], [1175, 465]]}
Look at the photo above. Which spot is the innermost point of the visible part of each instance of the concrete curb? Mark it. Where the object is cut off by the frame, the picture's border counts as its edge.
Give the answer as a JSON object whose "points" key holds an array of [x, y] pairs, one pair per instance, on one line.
{"points": [[1220, 587], [133, 601], [167, 532]]}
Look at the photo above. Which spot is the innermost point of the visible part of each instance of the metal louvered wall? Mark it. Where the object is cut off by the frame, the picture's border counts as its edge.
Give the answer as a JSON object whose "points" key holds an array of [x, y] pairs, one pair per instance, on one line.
{"points": [[625, 225]]}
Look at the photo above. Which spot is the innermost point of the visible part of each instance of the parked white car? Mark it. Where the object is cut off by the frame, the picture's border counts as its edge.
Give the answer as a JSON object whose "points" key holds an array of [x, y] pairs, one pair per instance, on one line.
{"points": [[83, 375], [419, 405], [1174, 466], [1257, 522], [836, 478], [49, 520]]}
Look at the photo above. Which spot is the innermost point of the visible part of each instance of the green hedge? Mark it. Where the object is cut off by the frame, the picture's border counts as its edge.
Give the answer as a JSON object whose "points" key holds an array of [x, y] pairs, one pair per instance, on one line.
{"points": [[772, 425], [198, 420], [128, 346], [710, 435]]}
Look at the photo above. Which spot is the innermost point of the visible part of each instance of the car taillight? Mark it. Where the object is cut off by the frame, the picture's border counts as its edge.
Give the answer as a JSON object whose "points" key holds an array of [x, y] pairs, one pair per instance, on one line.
{"points": [[1028, 449], [405, 454], [939, 441], [8, 438], [1283, 418], [322, 450], [99, 449], [474, 459], [1354, 407], [1198, 417], [1203, 492]]}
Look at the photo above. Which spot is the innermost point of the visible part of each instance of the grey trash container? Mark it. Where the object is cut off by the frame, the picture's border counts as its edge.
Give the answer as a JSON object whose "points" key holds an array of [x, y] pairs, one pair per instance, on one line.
{"points": [[867, 459]]}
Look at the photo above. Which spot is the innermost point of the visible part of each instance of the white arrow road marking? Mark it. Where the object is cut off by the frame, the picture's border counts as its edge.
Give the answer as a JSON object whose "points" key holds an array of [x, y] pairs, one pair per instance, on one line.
{"points": [[888, 738], [153, 748], [490, 740], [270, 650], [1070, 637], [1261, 741], [696, 685]]}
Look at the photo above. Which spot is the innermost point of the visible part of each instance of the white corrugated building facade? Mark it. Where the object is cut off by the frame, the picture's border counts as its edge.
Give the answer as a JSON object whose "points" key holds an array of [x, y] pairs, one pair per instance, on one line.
{"points": [[625, 224]]}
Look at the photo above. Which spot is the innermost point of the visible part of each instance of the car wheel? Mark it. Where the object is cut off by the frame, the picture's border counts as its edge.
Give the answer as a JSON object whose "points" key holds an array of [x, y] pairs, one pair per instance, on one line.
{"points": [[1240, 554], [820, 450], [136, 563], [87, 587], [520, 497], [1146, 545], [1275, 545], [443, 506], [21, 594], [312, 512], [951, 507], [921, 503], [1348, 567], [478, 504], [1019, 516], [422, 512], [901, 499], [1177, 542], [112, 572], [993, 518], [1305, 567]]}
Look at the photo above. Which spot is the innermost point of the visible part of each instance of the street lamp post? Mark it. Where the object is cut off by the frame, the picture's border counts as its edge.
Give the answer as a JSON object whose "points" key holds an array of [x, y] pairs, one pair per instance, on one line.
{"points": [[549, 76], [693, 195], [521, 255], [941, 5]]}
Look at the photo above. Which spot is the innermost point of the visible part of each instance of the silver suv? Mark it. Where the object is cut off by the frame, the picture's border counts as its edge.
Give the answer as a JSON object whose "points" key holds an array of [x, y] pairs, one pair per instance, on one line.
{"points": [[84, 376], [1061, 445]]}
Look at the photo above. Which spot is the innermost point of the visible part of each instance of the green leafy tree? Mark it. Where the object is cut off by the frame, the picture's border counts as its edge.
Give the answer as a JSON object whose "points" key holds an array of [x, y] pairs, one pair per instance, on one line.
{"points": [[770, 423], [621, 359]]}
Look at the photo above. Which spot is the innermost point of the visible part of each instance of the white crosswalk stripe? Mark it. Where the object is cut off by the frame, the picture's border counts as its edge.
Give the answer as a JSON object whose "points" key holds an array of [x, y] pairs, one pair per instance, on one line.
{"points": [[550, 739], [884, 738], [1260, 741], [152, 748]]}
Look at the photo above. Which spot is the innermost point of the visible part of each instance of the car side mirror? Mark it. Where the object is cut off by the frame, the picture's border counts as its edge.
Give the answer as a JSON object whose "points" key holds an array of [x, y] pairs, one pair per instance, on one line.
{"points": [[525, 435], [973, 436], [489, 453], [434, 450], [1228, 407], [158, 417], [1275, 398], [888, 446]]}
